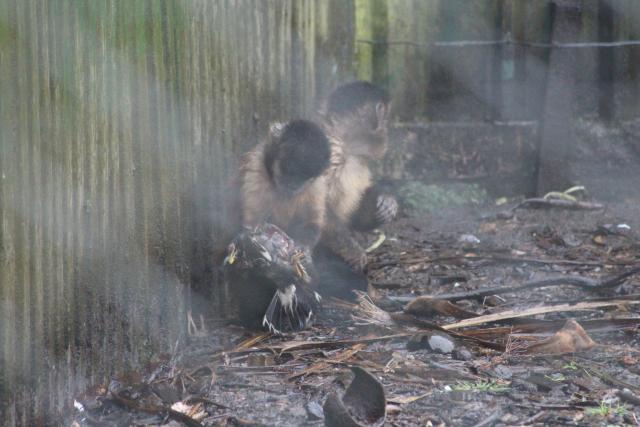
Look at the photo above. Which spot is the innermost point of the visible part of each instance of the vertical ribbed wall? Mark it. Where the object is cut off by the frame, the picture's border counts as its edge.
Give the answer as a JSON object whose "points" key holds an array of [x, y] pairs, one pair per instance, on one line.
{"points": [[120, 124]]}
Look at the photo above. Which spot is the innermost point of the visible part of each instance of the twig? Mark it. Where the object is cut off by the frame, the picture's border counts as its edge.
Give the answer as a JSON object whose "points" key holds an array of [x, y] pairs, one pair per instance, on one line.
{"points": [[610, 379], [578, 281], [312, 345], [550, 326], [512, 314], [501, 258], [322, 365], [200, 399], [539, 202]]}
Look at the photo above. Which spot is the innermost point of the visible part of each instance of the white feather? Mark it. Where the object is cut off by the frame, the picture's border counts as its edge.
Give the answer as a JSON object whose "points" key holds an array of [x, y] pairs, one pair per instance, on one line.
{"points": [[288, 298]]}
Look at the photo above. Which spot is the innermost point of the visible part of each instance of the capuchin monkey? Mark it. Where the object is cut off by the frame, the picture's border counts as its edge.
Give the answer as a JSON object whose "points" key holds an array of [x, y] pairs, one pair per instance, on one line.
{"points": [[356, 121], [283, 181]]}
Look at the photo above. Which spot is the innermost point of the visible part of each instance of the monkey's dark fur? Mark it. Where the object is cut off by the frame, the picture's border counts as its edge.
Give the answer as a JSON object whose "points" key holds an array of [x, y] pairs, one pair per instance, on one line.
{"points": [[282, 181], [300, 154]]}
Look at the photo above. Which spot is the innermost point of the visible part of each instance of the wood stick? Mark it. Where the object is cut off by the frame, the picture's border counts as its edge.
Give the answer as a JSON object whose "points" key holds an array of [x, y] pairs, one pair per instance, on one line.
{"points": [[581, 282], [512, 314]]}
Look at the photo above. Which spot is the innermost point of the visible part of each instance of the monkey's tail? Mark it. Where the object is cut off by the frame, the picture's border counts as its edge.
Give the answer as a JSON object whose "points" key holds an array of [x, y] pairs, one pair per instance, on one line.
{"points": [[291, 309]]}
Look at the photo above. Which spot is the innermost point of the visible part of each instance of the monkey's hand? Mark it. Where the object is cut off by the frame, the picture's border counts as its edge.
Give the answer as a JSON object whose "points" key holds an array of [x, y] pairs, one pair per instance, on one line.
{"points": [[358, 262], [386, 208], [338, 238], [376, 208]]}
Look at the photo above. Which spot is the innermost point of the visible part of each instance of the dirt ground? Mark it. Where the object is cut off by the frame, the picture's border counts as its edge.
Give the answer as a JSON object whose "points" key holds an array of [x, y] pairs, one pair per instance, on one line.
{"points": [[499, 373]]}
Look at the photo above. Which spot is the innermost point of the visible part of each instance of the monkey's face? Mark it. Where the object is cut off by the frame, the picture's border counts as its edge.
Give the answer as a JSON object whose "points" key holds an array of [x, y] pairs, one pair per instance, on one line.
{"points": [[365, 131], [289, 183], [296, 156]]}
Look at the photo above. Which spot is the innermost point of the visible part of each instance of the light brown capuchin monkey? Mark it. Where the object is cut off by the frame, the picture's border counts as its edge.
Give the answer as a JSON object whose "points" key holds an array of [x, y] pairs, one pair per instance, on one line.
{"points": [[356, 122]]}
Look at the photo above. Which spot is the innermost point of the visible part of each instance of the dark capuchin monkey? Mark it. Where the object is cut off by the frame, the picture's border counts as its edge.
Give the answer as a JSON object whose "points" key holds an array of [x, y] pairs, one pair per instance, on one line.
{"points": [[283, 181], [356, 121]]}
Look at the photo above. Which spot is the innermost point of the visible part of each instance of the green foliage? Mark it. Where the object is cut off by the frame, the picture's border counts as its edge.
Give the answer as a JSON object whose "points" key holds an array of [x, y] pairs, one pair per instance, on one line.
{"points": [[571, 366], [604, 410], [418, 198], [556, 377]]}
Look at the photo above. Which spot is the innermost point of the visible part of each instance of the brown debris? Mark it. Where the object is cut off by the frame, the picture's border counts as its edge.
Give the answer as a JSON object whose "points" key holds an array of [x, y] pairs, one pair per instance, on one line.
{"points": [[572, 338], [428, 307]]}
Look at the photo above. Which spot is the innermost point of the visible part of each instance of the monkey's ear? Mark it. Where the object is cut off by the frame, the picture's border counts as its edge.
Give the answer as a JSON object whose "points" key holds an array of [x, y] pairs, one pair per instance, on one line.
{"points": [[382, 114], [323, 110], [323, 116], [275, 129]]}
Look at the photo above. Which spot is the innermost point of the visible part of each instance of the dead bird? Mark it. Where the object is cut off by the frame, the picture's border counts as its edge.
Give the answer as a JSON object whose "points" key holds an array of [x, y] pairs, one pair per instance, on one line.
{"points": [[268, 274]]}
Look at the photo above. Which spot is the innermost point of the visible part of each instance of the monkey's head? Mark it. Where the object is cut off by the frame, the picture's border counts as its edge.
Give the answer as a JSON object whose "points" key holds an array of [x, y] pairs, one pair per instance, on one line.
{"points": [[358, 113], [297, 154]]}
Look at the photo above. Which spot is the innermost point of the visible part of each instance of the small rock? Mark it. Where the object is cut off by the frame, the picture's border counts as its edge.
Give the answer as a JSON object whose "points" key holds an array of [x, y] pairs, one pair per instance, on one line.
{"points": [[493, 301], [436, 343], [523, 385], [518, 397], [509, 419], [469, 239], [571, 240], [502, 372], [314, 411], [462, 354]]}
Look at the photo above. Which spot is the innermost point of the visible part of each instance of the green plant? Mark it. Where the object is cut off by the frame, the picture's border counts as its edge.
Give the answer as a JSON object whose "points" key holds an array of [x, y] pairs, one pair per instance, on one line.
{"points": [[556, 377], [605, 409], [419, 198]]}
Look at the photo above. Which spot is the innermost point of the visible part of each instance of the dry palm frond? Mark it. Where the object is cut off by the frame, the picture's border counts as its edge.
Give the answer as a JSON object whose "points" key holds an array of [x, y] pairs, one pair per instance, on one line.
{"points": [[366, 312]]}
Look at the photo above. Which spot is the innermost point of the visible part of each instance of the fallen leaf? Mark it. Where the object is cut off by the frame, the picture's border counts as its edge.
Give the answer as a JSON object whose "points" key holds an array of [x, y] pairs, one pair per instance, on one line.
{"points": [[571, 338]]}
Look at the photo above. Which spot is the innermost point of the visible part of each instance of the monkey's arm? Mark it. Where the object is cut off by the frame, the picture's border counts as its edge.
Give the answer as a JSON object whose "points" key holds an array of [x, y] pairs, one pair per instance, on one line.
{"points": [[337, 237], [304, 232], [375, 209], [306, 227]]}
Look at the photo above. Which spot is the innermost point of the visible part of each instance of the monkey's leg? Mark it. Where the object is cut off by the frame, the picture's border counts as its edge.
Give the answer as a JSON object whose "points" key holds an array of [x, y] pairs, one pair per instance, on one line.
{"points": [[304, 233], [337, 237], [376, 208]]}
